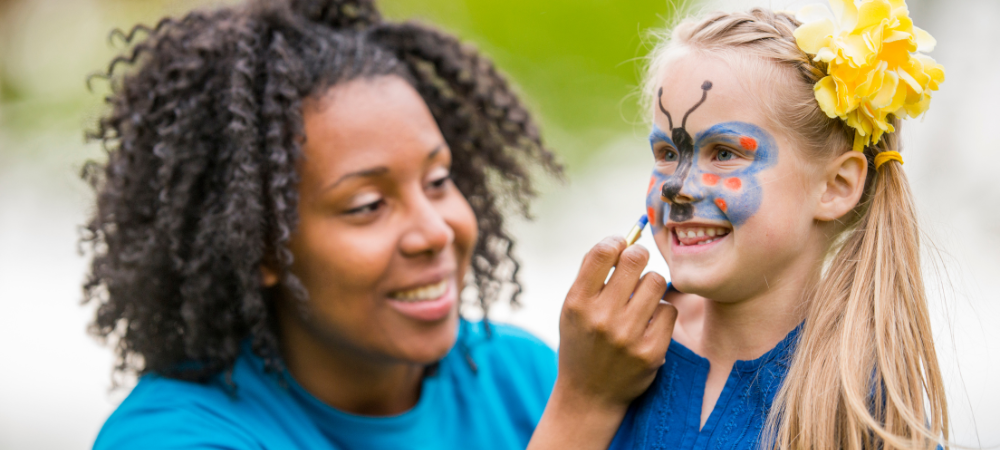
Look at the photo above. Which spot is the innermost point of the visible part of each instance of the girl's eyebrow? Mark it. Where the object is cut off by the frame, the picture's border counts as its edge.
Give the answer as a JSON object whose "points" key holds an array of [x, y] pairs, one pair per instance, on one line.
{"points": [[721, 132], [658, 135]]}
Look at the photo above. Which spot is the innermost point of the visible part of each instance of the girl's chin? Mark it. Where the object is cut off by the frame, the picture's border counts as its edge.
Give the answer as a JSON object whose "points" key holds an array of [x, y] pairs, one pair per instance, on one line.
{"points": [[696, 282]]}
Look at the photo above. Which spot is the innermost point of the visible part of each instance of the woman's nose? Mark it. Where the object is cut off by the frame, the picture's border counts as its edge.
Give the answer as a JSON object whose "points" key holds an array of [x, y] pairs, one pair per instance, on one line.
{"points": [[428, 233]]}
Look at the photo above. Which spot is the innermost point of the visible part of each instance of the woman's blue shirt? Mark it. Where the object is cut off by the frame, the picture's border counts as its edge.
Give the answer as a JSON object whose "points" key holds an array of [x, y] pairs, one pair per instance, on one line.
{"points": [[493, 402], [668, 414]]}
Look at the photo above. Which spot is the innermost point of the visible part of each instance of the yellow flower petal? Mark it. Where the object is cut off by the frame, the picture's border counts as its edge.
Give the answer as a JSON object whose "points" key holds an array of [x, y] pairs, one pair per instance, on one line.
{"points": [[859, 142], [912, 82], [846, 13], [887, 91], [872, 13], [925, 42], [873, 68], [854, 48], [814, 36], [826, 95]]}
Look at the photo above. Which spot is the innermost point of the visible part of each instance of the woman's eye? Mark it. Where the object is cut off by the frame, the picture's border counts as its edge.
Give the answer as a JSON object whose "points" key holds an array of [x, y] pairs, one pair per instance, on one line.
{"points": [[670, 155], [440, 182], [439, 179], [366, 208], [724, 155]]}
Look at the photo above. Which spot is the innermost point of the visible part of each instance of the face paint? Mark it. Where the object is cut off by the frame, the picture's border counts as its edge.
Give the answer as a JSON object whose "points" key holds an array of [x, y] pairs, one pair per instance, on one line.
{"points": [[693, 192]]}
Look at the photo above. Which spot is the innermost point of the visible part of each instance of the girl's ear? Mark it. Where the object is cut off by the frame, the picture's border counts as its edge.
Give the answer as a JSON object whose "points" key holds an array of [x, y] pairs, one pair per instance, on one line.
{"points": [[845, 182]]}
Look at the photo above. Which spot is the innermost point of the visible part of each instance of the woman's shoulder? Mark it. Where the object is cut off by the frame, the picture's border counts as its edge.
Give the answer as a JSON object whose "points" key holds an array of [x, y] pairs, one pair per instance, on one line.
{"points": [[165, 413]]}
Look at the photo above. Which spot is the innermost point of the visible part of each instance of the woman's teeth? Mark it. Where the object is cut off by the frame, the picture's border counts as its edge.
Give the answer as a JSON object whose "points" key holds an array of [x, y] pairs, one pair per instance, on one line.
{"points": [[700, 235], [429, 292]]}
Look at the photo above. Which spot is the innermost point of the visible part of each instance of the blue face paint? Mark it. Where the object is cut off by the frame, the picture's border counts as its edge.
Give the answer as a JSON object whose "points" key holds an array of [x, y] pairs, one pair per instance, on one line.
{"points": [[691, 191]]}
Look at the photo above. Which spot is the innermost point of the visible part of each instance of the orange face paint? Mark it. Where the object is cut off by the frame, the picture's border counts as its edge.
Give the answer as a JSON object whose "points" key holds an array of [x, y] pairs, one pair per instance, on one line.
{"points": [[652, 181], [721, 204], [748, 143], [651, 214], [733, 183], [710, 179]]}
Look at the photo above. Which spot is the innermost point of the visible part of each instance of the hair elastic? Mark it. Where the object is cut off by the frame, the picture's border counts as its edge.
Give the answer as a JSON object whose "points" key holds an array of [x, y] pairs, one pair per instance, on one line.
{"points": [[885, 157]]}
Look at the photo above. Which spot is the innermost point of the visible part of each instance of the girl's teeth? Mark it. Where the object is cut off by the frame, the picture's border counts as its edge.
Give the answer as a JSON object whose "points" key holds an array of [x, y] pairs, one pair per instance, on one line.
{"points": [[713, 233]]}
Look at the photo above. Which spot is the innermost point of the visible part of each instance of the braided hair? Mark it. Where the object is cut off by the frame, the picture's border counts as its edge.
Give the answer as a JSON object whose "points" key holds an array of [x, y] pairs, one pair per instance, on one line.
{"points": [[199, 189]]}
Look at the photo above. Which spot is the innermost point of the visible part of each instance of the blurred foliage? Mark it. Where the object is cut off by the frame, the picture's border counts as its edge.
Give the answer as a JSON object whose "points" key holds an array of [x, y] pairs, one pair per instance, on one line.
{"points": [[576, 61]]}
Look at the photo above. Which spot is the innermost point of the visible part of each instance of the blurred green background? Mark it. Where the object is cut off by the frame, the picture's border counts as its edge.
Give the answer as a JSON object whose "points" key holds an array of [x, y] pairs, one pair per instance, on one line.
{"points": [[577, 61]]}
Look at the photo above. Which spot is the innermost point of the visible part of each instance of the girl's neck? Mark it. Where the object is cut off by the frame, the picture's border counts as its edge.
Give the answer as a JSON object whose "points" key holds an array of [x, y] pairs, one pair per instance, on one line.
{"points": [[744, 330], [348, 379]]}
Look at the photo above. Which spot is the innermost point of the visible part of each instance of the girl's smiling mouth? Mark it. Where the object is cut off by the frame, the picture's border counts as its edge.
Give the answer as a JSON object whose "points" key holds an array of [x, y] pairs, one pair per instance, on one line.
{"points": [[696, 237]]}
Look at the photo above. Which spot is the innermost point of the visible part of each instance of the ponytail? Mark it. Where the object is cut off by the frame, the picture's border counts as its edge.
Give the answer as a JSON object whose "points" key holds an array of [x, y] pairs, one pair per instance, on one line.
{"points": [[866, 358]]}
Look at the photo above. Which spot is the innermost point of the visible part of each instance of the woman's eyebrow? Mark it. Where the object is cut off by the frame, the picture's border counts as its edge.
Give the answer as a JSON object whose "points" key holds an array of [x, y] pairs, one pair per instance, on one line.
{"points": [[364, 173], [375, 171]]}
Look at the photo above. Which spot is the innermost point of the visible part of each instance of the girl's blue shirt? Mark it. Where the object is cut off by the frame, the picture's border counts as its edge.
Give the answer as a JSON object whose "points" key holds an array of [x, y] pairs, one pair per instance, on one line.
{"points": [[668, 414], [495, 405]]}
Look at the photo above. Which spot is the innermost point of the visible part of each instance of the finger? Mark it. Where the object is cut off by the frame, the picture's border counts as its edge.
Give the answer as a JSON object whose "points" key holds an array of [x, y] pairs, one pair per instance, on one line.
{"points": [[627, 272], [596, 265], [661, 328], [647, 296]]}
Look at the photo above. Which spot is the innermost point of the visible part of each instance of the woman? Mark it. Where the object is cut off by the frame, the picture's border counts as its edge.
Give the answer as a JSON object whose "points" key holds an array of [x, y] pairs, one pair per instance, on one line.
{"points": [[295, 197]]}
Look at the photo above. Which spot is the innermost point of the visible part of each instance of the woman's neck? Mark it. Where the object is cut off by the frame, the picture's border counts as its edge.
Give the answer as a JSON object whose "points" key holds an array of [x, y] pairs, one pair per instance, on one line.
{"points": [[344, 377]]}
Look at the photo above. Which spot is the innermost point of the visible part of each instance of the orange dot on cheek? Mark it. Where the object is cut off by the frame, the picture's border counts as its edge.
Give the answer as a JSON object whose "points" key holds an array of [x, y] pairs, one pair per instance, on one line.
{"points": [[748, 143], [721, 204], [733, 183], [710, 179], [652, 181], [651, 214]]}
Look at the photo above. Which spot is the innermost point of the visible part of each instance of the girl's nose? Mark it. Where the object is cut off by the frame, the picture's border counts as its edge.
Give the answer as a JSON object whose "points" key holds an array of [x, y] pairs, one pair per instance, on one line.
{"points": [[429, 233], [690, 192]]}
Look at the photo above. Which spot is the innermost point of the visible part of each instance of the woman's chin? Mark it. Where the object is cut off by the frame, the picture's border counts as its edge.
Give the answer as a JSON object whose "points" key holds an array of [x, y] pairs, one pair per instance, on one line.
{"points": [[430, 346]]}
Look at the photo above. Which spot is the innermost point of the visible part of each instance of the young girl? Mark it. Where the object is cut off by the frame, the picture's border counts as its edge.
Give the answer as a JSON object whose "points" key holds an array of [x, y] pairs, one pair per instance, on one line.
{"points": [[296, 196], [779, 202]]}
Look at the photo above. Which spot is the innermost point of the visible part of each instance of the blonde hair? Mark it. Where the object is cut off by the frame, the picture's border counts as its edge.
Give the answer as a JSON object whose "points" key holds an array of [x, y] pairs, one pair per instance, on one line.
{"points": [[865, 363]]}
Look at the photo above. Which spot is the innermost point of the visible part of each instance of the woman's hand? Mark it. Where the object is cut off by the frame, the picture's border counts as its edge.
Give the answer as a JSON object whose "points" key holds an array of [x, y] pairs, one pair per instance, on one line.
{"points": [[613, 338]]}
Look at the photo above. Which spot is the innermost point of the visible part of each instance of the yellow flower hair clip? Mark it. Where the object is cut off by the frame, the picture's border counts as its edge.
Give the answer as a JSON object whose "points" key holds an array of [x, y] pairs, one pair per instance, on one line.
{"points": [[873, 68]]}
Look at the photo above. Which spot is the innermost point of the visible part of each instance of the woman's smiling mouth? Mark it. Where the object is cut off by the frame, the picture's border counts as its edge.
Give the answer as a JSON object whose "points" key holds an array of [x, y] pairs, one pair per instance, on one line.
{"points": [[421, 293], [428, 303]]}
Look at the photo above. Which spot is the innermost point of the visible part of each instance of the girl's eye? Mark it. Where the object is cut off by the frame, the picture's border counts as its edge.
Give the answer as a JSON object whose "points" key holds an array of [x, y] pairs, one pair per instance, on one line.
{"points": [[670, 155], [724, 155], [367, 208]]}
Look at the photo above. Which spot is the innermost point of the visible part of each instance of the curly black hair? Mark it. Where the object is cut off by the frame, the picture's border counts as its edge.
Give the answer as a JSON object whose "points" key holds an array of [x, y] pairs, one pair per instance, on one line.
{"points": [[202, 136]]}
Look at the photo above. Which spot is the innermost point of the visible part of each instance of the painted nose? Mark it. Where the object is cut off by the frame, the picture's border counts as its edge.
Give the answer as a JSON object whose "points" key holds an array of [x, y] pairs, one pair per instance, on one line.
{"points": [[687, 190], [692, 188], [429, 233]]}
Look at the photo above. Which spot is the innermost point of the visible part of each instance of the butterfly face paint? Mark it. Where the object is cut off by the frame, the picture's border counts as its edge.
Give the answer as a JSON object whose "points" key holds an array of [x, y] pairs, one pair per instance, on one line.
{"points": [[693, 191]]}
